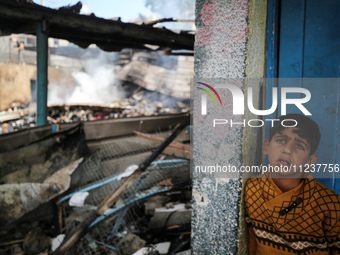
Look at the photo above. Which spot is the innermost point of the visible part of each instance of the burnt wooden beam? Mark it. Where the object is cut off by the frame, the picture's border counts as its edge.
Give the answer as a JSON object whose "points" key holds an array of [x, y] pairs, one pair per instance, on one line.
{"points": [[175, 149], [21, 17]]}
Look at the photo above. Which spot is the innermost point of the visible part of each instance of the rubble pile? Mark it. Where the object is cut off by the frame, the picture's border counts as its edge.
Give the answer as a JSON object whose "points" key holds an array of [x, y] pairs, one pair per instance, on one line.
{"points": [[144, 103], [141, 103], [31, 177], [151, 216], [19, 116]]}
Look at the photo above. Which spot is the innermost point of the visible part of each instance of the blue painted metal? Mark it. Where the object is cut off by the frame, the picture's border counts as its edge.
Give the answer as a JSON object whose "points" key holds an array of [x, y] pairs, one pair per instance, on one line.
{"points": [[292, 26], [272, 49], [272, 38], [109, 247], [121, 207], [33, 90], [322, 41], [322, 59], [290, 54], [113, 178], [309, 47], [42, 51], [122, 214]]}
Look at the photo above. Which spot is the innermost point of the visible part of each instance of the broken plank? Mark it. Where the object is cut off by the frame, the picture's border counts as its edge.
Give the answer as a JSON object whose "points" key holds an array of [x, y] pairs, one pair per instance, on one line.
{"points": [[177, 153], [175, 144]]}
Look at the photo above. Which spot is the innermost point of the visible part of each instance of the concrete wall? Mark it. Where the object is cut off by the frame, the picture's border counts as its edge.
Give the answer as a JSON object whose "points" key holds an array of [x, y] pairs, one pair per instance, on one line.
{"points": [[229, 44], [15, 82], [255, 66]]}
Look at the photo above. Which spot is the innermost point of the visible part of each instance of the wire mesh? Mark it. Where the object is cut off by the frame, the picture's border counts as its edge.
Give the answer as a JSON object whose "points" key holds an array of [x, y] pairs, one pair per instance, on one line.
{"points": [[119, 230]]}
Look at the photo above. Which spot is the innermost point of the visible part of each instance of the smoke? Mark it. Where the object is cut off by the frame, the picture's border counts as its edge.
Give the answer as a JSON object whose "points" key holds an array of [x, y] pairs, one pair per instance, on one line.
{"points": [[179, 9], [176, 9], [95, 84]]}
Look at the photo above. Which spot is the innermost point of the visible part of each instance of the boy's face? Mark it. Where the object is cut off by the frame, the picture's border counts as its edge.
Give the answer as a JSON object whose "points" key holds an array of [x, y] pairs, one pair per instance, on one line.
{"points": [[287, 149]]}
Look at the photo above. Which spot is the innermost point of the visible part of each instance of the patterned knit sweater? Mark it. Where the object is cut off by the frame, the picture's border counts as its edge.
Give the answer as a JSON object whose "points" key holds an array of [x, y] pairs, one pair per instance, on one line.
{"points": [[304, 220]]}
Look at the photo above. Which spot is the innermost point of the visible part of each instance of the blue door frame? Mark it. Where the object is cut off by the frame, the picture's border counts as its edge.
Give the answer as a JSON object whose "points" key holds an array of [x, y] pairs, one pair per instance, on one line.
{"points": [[272, 55], [299, 49]]}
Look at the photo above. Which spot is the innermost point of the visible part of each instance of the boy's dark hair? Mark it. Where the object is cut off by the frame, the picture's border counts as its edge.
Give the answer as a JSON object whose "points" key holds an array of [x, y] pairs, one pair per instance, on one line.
{"points": [[306, 129]]}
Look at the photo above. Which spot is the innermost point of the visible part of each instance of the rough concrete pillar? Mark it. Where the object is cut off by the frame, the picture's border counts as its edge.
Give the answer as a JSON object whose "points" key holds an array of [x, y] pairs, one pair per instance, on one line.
{"points": [[221, 53]]}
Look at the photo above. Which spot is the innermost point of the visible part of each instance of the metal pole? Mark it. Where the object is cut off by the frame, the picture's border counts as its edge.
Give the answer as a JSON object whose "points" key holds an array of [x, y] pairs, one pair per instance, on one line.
{"points": [[42, 48]]}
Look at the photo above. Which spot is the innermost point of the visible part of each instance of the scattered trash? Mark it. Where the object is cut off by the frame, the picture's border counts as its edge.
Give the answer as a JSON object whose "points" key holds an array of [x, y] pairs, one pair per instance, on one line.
{"points": [[178, 215], [41, 158], [57, 241], [36, 241], [163, 248], [128, 171], [131, 243], [141, 103], [78, 199], [160, 249], [152, 214], [126, 190], [19, 199]]}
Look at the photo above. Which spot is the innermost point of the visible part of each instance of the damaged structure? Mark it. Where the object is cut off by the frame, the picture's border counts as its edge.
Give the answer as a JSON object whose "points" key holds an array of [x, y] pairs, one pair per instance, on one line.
{"points": [[245, 41], [109, 35], [64, 167], [56, 182]]}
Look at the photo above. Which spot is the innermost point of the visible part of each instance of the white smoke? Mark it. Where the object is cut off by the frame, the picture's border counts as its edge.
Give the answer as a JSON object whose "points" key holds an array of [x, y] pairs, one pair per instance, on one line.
{"points": [[96, 84], [176, 9], [95, 87]]}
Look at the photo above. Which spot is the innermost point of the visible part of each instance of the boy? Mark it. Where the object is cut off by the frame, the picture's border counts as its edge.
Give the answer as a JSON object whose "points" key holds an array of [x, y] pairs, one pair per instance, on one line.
{"points": [[287, 210]]}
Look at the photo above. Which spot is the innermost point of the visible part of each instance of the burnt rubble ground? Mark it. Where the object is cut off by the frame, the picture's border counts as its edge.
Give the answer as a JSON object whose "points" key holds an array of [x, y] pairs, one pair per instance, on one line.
{"points": [[141, 103], [153, 219]]}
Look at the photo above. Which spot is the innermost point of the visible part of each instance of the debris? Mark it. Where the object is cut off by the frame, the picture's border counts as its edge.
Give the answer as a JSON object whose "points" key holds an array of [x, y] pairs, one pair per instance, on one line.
{"points": [[163, 248], [78, 199], [187, 252], [12, 242], [154, 203], [41, 158], [154, 249], [134, 179], [176, 216], [125, 226], [159, 139], [145, 72], [131, 243], [178, 153], [128, 171], [141, 251], [6, 116], [140, 103], [57, 241], [36, 241], [19, 199], [71, 8], [175, 149]]}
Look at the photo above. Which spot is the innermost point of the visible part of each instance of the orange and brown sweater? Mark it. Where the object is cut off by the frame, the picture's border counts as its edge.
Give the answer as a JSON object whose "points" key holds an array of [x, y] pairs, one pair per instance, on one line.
{"points": [[304, 220]]}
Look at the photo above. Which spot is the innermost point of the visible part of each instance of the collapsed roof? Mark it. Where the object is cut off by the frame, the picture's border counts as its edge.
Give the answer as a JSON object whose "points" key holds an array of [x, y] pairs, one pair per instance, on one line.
{"points": [[21, 16]]}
